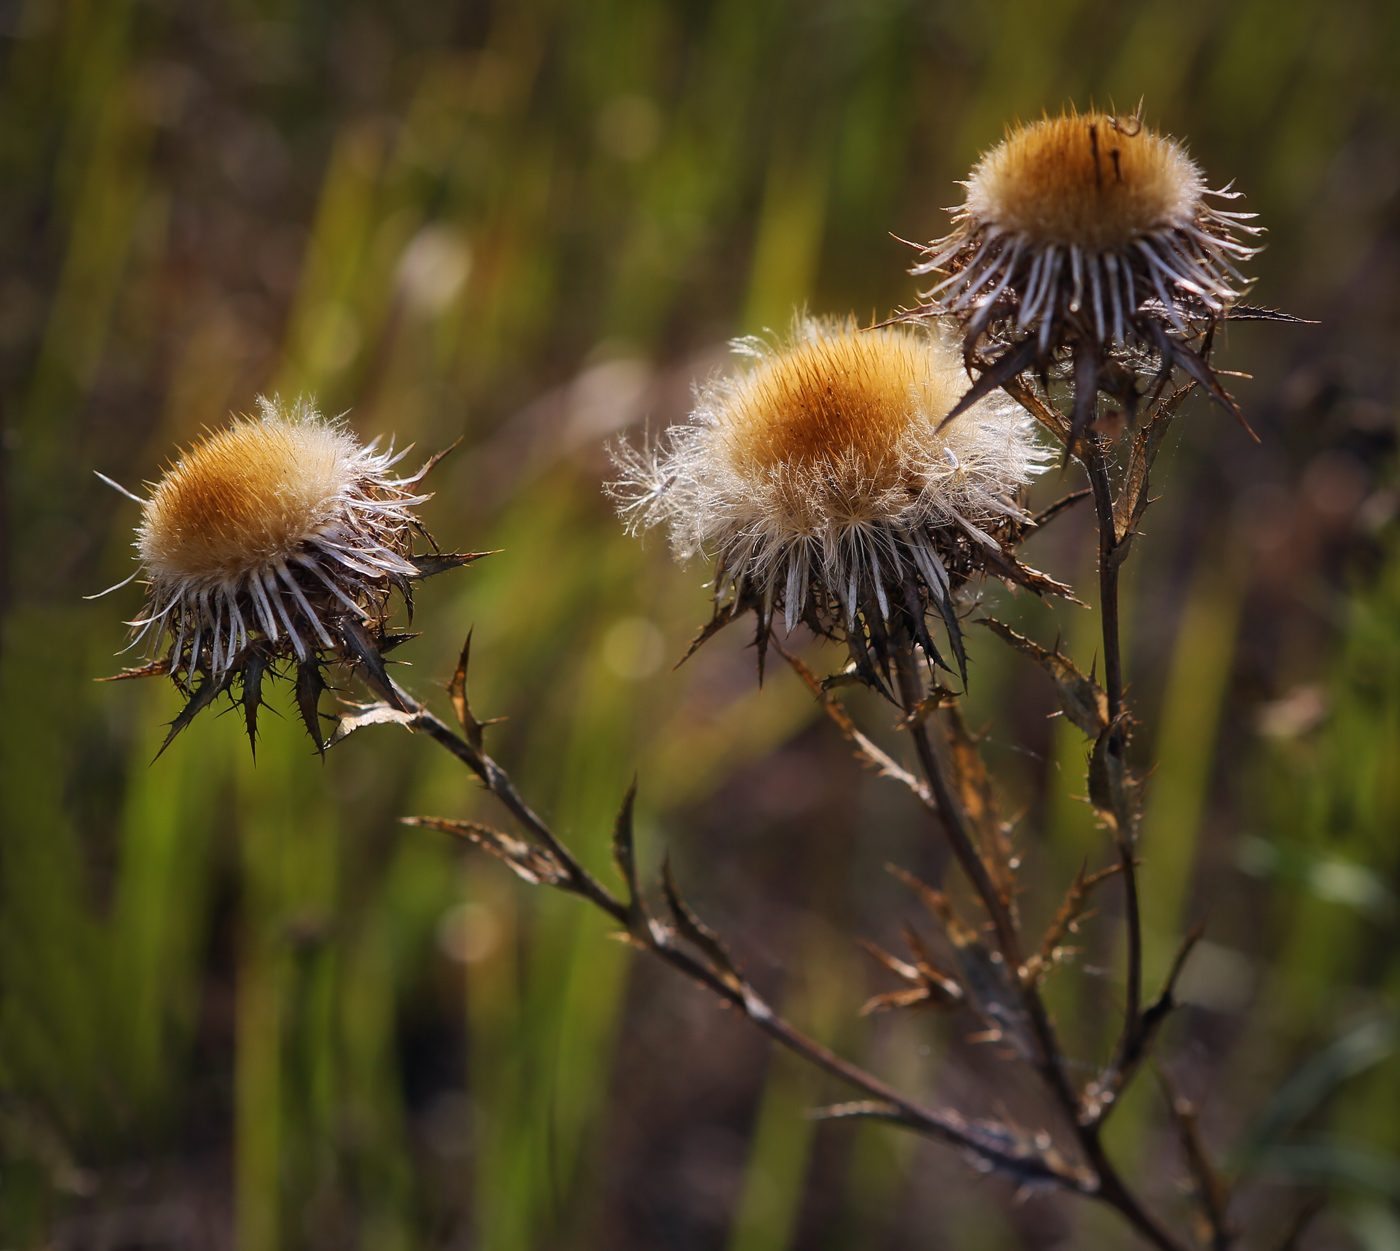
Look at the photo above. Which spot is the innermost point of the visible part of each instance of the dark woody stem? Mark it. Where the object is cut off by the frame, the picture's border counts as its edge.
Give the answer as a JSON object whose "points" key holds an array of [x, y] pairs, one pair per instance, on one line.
{"points": [[1092, 453]]}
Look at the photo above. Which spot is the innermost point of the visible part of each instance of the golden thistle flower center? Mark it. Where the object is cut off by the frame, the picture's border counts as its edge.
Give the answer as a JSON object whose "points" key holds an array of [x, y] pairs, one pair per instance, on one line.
{"points": [[827, 423], [244, 499], [1091, 181]]}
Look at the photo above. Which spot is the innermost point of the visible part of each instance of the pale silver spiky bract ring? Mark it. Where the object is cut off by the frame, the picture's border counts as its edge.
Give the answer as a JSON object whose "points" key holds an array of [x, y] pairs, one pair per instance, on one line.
{"points": [[825, 484]]}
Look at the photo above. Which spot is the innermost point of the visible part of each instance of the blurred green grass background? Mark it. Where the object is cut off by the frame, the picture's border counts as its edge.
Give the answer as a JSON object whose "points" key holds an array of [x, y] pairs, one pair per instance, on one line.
{"points": [[239, 1006]]}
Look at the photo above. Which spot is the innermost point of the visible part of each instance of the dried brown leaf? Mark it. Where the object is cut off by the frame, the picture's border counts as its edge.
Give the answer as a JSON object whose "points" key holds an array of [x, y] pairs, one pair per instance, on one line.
{"points": [[1071, 910], [974, 786], [370, 714], [1081, 699], [624, 855], [533, 864], [1114, 789], [694, 930]]}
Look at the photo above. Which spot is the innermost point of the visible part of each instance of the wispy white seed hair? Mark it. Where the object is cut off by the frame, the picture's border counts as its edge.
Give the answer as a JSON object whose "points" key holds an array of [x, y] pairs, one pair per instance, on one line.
{"points": [[821, 479]]}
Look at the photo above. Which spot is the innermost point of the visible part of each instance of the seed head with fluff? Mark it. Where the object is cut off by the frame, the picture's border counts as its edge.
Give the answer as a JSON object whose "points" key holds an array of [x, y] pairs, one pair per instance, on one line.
{"points": [[275, 540], [822, 480]]}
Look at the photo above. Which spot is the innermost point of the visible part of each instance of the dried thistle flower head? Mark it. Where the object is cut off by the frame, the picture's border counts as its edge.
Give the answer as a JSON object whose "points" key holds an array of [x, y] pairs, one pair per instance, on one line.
{"points": [[270, 541], [824, 482], [1087, 235]]}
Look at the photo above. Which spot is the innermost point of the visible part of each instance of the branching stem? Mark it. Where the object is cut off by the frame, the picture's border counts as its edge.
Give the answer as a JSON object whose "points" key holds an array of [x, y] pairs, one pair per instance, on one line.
{"points": [[660, 940], [1050, 1063]]}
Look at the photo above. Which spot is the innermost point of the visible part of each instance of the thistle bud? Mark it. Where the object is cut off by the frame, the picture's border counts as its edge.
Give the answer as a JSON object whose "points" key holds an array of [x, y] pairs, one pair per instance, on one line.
{"points": [[274, 544], [825, 483]]}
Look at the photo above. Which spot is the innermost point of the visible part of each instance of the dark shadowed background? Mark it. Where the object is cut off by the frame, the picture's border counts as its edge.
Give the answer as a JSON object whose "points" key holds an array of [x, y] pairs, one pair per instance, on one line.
{"points": [[241, 1006]]}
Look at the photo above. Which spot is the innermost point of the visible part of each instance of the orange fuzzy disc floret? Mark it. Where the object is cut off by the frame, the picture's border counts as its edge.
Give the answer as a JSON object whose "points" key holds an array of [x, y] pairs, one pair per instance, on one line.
{"points": [[1089, 180], [245, 498], [834, 414]]}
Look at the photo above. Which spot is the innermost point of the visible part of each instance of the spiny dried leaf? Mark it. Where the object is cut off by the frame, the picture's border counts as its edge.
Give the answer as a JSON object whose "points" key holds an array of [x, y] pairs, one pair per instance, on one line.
{"points": [[1132, 498], [1047, 414], [533, 864], [893, 963], [723, 615], [1071, 911], [1062, 505], [1248, 312], [1113, 787], [364, 648], [930, 985], [1007, 566], [866, 750], [1177, 352], [1081, 699], [157, 668], [938, 904], [938, 697], [254, 665], [944, 985], [953, 627], [624, 854], [369, 714], [457, 692], [974, 786], [860, 657], [892, 1000], [982, 976], [694, 930], [434, 460]]}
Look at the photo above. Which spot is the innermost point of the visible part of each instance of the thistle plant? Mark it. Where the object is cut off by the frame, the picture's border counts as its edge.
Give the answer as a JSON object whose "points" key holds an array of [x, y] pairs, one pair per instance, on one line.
{"points": [[860, 484]]}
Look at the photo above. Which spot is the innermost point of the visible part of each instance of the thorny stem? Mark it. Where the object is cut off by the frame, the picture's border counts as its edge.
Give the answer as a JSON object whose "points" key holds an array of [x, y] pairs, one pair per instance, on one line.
{"points": [[660, 940]]}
